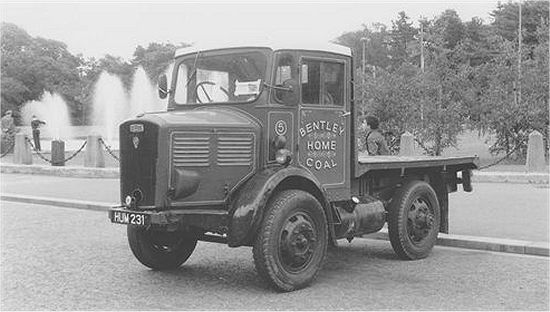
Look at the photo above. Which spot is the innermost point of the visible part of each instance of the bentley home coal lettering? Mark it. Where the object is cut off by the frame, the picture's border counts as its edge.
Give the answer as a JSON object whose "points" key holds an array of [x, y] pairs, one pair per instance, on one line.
{"points": [[323, 139], [318, 164], [321, 145], [257, 148], [321, 125]]}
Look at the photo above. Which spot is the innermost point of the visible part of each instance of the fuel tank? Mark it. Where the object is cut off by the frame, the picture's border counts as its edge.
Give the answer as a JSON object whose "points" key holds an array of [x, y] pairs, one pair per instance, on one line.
{"points": [[188, 158], [365, 215]]}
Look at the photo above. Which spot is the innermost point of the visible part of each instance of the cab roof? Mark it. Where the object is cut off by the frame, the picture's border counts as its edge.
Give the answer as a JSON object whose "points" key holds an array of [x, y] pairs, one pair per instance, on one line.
{"points": [[275, 46]]}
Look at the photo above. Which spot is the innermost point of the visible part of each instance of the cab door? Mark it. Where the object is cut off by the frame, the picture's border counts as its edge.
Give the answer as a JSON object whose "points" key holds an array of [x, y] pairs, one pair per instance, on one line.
{"points": [[324, 121]]}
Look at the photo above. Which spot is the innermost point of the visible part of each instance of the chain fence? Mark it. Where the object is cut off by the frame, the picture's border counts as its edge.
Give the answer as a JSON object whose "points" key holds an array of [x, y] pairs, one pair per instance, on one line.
{"points": [[44, 158], [394, 150], [39, 153], [501, 159], [482, 167], [109, 149]]}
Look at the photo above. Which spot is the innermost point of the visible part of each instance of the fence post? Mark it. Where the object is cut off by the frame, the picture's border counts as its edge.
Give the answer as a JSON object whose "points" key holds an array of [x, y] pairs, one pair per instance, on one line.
{"points": [[406, 146], [58, 153], [22, 150], [94, 153], [535, 153]]}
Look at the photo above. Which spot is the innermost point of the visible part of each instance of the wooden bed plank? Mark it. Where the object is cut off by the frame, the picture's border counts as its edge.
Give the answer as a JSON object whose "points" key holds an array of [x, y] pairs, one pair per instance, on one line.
{"points": [[367, 163]]}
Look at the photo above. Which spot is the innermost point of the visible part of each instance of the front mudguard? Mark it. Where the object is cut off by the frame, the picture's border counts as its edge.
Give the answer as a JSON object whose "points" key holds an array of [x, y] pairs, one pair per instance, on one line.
{"points": [[249, 202]]}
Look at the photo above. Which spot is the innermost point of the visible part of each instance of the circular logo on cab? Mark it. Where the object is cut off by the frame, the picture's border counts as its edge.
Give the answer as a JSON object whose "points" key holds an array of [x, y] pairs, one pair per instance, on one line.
{"points": [[280, 127]]}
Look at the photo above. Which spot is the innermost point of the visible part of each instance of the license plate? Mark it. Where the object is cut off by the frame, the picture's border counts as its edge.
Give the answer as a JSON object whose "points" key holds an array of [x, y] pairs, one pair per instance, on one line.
{"points": [[126, 217]]}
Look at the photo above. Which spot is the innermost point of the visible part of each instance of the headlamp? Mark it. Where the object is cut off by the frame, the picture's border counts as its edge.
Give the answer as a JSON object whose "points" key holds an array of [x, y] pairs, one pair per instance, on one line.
{"points": [[283, 156]]}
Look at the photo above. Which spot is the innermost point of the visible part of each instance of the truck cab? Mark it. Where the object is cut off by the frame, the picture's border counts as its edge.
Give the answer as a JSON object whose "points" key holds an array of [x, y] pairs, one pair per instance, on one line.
{"points": [[257, 149]]}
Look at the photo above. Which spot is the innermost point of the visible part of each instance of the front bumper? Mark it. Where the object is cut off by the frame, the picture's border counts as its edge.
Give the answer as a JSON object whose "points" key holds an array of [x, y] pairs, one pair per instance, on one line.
{"points": [[205, 219]]}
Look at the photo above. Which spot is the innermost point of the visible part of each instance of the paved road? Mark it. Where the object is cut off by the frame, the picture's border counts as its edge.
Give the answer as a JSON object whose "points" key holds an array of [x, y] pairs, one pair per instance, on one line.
{"points": [[513, 211], [67, 259], [504, 210], [91, 189]]}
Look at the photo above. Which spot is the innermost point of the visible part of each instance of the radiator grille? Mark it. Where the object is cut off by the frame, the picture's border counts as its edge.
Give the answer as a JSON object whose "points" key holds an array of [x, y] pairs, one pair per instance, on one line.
{"points": [[138, 163], [190, 151], [235, 150]]}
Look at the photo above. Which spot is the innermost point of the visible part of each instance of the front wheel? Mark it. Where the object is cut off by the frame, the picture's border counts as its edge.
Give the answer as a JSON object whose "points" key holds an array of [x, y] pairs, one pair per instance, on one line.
{"points": [[161, 250], [413, 220], [292, 242]]}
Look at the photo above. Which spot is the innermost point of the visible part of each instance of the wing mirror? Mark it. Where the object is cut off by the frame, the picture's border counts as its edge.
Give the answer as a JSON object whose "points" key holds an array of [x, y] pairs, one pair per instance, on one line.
{"points": [[163, 86]]}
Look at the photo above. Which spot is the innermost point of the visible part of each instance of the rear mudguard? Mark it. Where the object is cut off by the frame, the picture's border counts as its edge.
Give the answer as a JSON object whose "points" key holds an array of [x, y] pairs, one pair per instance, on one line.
{"points": [[249, 203]]}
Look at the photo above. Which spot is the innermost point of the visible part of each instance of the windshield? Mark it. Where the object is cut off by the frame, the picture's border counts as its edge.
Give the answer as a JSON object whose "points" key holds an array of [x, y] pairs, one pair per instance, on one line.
{"points": [[225, 78]]}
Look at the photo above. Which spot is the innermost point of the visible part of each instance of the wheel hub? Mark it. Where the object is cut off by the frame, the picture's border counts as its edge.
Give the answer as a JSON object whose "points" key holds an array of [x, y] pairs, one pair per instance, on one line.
{"points": [[420, 220], [298, 241]]}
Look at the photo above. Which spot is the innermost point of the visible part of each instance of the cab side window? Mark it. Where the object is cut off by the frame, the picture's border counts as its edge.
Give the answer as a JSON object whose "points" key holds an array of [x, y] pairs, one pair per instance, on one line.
{"points": [[322, 82], [284, 72]]}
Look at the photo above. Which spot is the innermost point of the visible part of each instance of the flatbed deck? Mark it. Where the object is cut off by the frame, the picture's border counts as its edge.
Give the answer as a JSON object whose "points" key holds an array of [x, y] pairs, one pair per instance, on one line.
{"points": [[368, 163]]}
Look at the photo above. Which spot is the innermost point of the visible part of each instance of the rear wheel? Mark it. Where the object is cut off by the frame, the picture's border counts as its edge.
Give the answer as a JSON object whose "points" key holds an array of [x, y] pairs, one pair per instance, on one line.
{"points": [[292, 242], [413, 220], [161, 250]]}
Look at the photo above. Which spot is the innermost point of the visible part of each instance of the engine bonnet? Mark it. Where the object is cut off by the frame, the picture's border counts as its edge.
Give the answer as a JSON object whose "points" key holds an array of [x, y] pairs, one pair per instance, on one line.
{"points": [[200, 155]]}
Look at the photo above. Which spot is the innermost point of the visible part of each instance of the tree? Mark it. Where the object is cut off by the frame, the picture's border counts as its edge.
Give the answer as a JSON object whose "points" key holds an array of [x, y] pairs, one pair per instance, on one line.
{"points": [[449, 28], [31, 66], [155, 58], [14, 41], [377, 48], [475, 46], [444, 93], [511, 116], [403, 33], [117, 66], [506, 20], [13, 92], [429, 104]]}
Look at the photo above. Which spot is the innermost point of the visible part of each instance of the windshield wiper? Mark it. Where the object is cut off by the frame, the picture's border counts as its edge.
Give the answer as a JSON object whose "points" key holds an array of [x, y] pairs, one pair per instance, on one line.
{"points": [[287, 89]]}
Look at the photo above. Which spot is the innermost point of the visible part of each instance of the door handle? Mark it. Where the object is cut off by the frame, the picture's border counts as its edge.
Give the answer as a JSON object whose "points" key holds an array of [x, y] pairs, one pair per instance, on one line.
{"points": [[345, 114]]}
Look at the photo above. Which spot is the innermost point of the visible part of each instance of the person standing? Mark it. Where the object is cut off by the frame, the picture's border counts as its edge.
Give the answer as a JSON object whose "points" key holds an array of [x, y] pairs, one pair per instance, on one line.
{"points": [[8, 126], [8, 132], [35, 125], [375, 141]]}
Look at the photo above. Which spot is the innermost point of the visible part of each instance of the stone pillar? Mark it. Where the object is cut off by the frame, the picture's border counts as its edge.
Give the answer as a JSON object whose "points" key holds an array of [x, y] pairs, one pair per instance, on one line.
{"points": [[58, 153], [406, 146], [22, 150], [535, 153], [94, 152]]}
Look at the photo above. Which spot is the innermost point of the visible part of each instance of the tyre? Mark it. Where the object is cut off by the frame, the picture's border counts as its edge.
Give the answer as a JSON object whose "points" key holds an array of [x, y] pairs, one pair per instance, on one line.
{"points": [[291, 244], [413, 220], [161, 250]]}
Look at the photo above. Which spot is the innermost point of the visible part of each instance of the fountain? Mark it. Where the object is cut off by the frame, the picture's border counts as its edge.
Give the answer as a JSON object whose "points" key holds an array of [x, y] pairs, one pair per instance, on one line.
{"points": [[52, 109], [142, 95], [110, 106]]}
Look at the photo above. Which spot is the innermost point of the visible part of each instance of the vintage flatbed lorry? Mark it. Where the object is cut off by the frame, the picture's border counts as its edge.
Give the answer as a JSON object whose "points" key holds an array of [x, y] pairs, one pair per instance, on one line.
{"points": [[257, 148]]}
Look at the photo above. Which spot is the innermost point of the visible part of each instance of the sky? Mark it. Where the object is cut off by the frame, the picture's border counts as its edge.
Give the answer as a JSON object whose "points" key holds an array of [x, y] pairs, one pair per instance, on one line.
{"points": [[96, 28]]}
